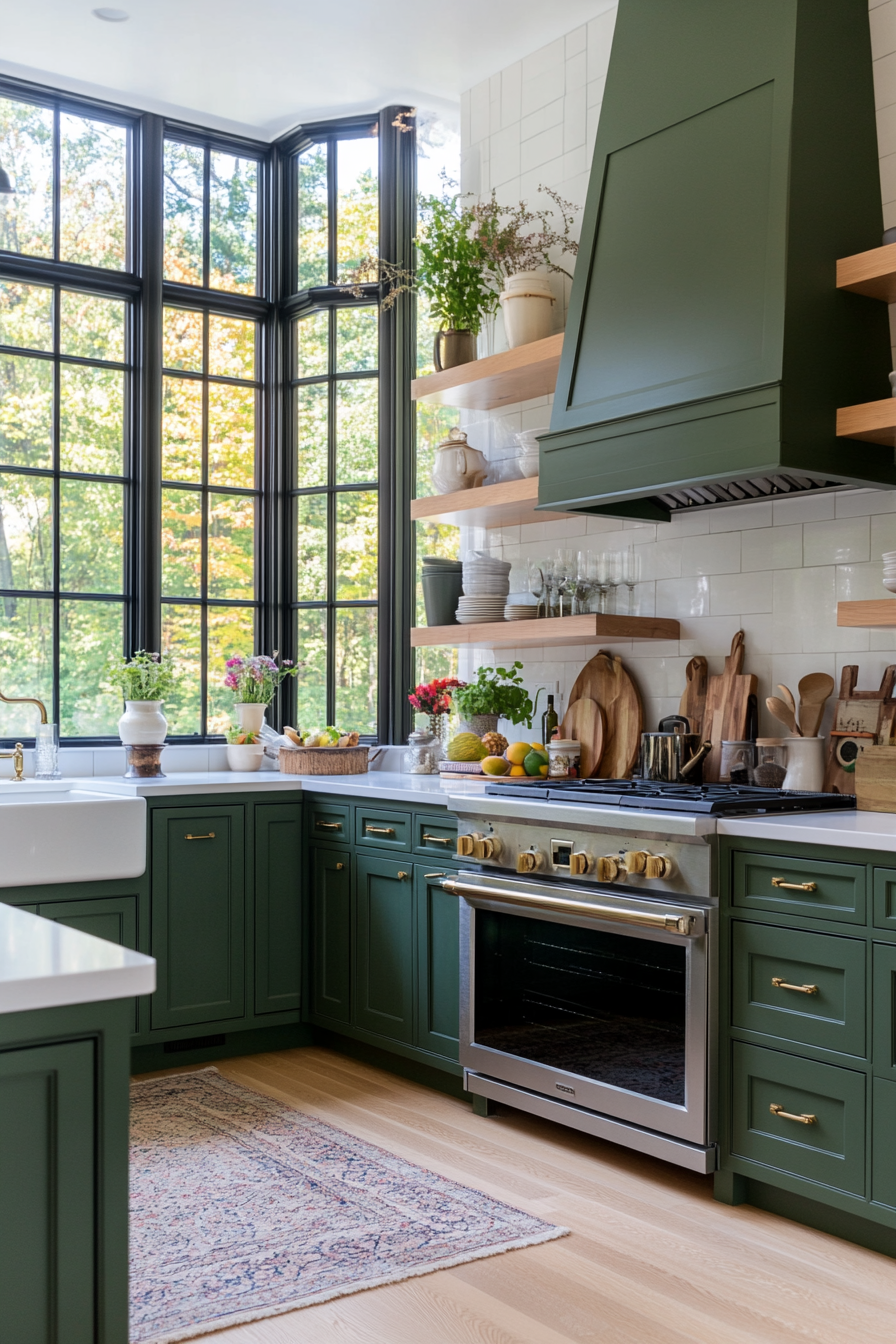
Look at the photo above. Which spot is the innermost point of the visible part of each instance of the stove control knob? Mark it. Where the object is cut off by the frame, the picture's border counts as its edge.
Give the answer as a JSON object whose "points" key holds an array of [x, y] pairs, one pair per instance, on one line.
{"points": [[579, 864], [636, 860], [658, 865], [607, 869], [465, 844], [488, 847], [528, 861]]}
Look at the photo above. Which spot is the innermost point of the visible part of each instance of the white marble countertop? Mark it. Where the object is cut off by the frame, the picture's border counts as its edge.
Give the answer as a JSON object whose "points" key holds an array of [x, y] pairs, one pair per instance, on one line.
{"points": [[380, 785], [851, 830], [48, 965]]}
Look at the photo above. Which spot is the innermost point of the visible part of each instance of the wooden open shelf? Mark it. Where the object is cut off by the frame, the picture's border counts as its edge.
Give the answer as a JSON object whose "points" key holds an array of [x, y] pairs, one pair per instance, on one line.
{"points": [[591, 629], [872, 273], [873, 421], [878, 614], [502, 505], [500, 380]]}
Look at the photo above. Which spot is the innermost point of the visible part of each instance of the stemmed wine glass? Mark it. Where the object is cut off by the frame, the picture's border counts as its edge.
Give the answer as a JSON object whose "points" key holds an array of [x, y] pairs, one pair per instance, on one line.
{"points": [[629, 576]]}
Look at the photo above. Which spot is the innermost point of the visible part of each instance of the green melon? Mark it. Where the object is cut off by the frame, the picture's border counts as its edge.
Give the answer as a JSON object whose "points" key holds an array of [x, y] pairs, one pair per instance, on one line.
{"points": [[466, 747]]}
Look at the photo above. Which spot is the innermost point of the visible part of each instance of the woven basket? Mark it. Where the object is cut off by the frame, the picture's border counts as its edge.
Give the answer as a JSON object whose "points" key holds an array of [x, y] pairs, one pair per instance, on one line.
{"points": [[323, 760]]}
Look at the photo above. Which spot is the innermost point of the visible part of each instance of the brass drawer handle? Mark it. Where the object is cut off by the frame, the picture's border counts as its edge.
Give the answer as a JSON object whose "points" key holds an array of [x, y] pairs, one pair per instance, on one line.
{"points": [[436, 839], [379, 830], [429, 876], [339, 867], [780, 983], [210, 836], [402, 876], [794, 886], [328, 825], [780, 1112]]}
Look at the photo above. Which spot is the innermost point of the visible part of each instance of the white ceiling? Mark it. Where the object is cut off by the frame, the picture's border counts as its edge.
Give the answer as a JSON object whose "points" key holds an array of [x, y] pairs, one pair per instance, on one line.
{"points": [[262, 67]]}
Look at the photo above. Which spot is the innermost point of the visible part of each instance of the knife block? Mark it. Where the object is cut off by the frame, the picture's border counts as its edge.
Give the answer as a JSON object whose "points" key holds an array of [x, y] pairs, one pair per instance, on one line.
{"points": [[875, 779]]}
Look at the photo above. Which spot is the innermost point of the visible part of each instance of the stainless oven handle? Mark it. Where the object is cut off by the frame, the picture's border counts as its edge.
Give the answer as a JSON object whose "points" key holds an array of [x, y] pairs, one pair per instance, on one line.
{"points": [[683, 924]]}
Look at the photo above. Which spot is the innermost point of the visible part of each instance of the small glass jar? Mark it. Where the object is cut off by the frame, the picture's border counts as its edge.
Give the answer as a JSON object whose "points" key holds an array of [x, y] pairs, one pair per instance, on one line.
{"points": [[46, 755], [564, 756], [771, 762], [738, 760], [422, 754]]}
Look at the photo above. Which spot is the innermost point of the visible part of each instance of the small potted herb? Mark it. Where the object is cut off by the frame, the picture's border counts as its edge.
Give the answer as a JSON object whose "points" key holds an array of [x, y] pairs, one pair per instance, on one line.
{"points": [[244, 750], [255, 681], [144, 680], [497, 693]]}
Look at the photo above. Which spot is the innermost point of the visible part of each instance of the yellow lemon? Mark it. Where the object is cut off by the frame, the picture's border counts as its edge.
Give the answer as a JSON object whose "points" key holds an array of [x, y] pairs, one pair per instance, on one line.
{"points": [[517, 770], [517, 752], [543, 770], [537, 746]]}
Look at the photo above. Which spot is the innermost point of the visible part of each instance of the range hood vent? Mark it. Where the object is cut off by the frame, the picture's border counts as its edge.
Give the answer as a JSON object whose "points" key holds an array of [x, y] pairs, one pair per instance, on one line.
{"points": [[707, 347]]}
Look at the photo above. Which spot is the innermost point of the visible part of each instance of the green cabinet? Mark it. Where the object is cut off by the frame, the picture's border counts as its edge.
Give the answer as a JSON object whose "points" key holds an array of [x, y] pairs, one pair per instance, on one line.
{"points": [[804, 888], [382, 830], [331, 934], [438, 969], [884, 1009], [884, 899], [384, 955], [198, 915], [278, 909], [883, 1144], [111, 917]]}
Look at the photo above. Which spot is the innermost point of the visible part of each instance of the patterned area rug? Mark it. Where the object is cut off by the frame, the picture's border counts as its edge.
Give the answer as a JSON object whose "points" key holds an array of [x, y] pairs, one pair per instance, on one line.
{"points": [[242, 1207]]}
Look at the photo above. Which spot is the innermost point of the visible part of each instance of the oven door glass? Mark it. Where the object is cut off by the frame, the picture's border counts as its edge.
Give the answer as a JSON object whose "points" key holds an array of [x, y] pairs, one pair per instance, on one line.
{"points": [[605, 1006]]}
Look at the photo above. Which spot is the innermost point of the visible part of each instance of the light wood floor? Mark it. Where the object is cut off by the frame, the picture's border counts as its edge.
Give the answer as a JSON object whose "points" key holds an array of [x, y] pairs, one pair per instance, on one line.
{"points": [[652, 1259]]}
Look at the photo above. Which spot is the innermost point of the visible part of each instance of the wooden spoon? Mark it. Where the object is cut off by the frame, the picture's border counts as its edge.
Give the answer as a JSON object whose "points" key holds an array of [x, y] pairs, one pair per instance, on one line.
{"points": [[783, 713], [814, 690], [788, 696]]}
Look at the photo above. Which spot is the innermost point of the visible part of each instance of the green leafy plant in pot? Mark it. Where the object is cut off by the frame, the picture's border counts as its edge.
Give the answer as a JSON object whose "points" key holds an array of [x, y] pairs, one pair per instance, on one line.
{"points": [[497, 693]]}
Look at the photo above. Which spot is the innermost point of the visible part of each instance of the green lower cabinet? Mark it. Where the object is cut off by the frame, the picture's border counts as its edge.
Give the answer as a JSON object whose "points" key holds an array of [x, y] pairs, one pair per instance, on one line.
{"points": [[804, 987], [384, 947], [799, 1116], [331, 934], [48, 1227], [198, 915], [884, 898], [278, 906], [884, 1008], [883, 1143], [806, 888], [438, 977], [111, 917]]}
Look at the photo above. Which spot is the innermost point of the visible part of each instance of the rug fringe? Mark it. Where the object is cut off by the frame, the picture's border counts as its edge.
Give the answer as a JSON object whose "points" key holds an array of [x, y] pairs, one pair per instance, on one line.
{"points": [[243, 1318]]}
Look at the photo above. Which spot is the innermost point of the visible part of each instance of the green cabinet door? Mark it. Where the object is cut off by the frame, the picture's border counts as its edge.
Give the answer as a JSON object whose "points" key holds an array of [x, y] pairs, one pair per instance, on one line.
{"points": [[806, 888], [111, 917], [198, 915], [438, 971], [883, 1142], [48, 1225], [884, 898], [278, 906], [331, 934], [384, 942], [883, 1010]]}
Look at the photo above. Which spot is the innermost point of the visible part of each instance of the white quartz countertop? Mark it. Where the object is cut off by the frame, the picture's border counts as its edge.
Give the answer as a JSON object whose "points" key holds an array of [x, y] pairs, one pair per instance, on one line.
{"points": [[48, 965], [380, 785], [850, 830]]}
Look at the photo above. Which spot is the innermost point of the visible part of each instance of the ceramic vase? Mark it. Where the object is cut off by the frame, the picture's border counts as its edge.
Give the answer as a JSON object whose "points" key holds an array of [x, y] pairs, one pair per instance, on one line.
{"points": [[805, 764], [527, 303], [250, 716], [438, 726], [245, 756], [142, 723]]}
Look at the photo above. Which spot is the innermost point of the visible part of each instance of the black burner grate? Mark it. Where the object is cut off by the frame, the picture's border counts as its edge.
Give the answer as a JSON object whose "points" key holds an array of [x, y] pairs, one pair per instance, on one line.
{"points": [[647, 795]]}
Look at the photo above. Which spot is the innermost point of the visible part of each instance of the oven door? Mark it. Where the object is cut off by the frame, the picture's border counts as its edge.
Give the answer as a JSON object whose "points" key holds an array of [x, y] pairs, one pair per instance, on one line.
{"points": [[588, 997]]}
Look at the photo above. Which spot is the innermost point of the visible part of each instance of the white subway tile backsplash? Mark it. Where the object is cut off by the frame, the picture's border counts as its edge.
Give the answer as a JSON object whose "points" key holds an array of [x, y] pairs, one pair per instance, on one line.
{"points": [[772, 548], [741, 517], [600, 40], [576, 42], [660, 559], [839, 541], [883, 535], [683, 597], [717, 553], [733, 594], [576, 72]]}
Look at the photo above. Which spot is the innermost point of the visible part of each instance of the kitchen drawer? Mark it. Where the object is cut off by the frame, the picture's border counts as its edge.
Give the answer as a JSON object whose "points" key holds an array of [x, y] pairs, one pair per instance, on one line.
{"points": [[375, 829], [329, 821], [831, 1149], [815, 889], [435, 835], [883, 1149], [883, 996], [884, 899], [833, 1016]]}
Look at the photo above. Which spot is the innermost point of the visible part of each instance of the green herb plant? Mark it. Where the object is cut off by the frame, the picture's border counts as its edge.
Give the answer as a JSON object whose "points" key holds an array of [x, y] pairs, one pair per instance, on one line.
{"points": [[497, 690], [146, 676]]}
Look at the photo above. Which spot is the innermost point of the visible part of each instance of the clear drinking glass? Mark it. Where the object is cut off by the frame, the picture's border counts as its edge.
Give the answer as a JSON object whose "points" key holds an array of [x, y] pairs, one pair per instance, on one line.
{"points": [[47, 752], [631, 574]]}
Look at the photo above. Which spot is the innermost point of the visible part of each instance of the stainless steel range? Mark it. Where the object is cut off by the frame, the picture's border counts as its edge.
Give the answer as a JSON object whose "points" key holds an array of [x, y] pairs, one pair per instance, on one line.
{"points": [[588, 954]]}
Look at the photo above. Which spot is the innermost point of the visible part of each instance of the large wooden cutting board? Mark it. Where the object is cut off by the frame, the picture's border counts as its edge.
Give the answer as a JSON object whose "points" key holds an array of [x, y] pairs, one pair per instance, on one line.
{"points": [[727, 707], [605, 680], [693, 700], [584, 722]]}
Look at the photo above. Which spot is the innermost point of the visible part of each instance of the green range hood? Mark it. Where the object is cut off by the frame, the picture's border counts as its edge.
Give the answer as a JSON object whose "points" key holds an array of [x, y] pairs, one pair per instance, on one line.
{"points": [[707, 348]]}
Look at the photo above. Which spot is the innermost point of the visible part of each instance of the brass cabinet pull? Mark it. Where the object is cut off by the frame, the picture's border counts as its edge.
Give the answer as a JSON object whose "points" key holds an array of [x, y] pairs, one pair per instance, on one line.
{"points": [[794, 886], [780, 983], [436, 839], [402, 876], [328, 825], [210, 836], [379, 830], [339, 867], [428, 876], [780, 1112]]}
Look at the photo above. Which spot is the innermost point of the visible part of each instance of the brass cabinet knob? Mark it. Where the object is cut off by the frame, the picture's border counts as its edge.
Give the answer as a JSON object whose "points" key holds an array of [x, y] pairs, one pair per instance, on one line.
{"points": [[528, 861], [465, 846], [578, 864], [658, 865], [607, 868], [636, 860], [402, 877]]}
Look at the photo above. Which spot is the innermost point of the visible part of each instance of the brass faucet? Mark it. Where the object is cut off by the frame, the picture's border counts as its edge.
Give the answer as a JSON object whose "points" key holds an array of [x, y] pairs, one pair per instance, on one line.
{"points": [[25, 700], [18, 759]]}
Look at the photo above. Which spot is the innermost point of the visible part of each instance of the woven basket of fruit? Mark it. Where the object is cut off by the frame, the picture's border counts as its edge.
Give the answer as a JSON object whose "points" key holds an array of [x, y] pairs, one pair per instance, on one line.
{"points": [[327, 752]]}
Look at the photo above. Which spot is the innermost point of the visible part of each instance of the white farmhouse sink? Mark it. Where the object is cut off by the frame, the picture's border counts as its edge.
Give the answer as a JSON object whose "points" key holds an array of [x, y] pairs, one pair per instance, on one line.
{"points": [[59, 831]]}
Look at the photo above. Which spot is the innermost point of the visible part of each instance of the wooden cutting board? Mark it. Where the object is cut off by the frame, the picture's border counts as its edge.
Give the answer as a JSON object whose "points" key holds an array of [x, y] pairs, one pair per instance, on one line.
{"points": [[584, 722], [861, 719], [606, 681], [693, 701], [727, 707]]}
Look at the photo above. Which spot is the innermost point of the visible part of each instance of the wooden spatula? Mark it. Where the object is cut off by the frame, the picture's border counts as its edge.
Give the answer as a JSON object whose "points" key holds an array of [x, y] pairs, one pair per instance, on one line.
{"points": [[783, 713], [814, 691]]}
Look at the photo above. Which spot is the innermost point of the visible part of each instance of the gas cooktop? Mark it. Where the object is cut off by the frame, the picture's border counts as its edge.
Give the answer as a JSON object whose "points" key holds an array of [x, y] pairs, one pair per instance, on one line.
{"points": [[647, 795]]}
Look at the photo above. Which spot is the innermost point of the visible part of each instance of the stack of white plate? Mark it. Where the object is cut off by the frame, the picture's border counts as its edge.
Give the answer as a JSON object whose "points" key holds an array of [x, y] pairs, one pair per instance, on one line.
{"points": [[485, 576], [518, 612], [473, 610], [888, 557]]}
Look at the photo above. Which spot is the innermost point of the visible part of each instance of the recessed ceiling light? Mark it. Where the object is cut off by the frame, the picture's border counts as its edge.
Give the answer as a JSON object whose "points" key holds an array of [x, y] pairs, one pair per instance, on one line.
{"points": [[112, 15]]}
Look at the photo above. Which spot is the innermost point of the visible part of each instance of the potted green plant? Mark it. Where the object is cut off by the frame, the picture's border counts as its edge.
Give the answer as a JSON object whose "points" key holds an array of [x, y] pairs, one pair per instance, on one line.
{"points": [[244, 750], [144, 680], [497, 693], [254, 681]]}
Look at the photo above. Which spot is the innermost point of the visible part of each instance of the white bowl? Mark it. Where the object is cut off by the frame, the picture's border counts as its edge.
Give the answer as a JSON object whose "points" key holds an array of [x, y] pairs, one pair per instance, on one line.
{"points": [[890, 585]]}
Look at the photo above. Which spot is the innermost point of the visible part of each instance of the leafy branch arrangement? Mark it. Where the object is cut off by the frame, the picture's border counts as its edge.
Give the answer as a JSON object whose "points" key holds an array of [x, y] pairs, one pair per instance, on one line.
{"points": [[146, 676], [496, 690]]}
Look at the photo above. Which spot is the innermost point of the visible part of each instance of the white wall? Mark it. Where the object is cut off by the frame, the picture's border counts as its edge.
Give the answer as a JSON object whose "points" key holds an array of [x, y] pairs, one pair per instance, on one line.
{"points": [[774, 569]]}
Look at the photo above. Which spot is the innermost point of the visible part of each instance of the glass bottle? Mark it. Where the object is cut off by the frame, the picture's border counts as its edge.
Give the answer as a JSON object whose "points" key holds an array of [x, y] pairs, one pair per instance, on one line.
{"points": [[549, 722]]}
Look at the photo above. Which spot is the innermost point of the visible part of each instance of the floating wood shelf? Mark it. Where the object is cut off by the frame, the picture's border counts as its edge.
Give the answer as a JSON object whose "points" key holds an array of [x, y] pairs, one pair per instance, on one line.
{"points": [[502, 505], [591, 629], [873, 421], [878, 614], [872, 273], [499, 380]]}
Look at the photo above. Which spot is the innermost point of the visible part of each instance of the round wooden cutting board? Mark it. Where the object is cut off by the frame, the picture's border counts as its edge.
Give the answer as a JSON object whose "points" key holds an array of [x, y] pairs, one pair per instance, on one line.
{"points": [[605, 680], [584, 722]]}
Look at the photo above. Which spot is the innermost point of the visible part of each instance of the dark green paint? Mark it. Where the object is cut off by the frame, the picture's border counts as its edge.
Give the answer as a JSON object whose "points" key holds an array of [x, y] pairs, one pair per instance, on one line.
{"points": [[883, 1151], [833, 1018], [111, 917], [329, 822], [438, 968], [331, 934], [278, 906], [384, 976], [736, 159], [884, 898], [380, 830], [839, 894], [435, 835], [884, 1009]]}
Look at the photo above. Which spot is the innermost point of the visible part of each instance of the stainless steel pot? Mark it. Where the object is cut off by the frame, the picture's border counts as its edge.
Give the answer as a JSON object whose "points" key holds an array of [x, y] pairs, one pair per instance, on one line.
{"points": [[673, 755]]}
